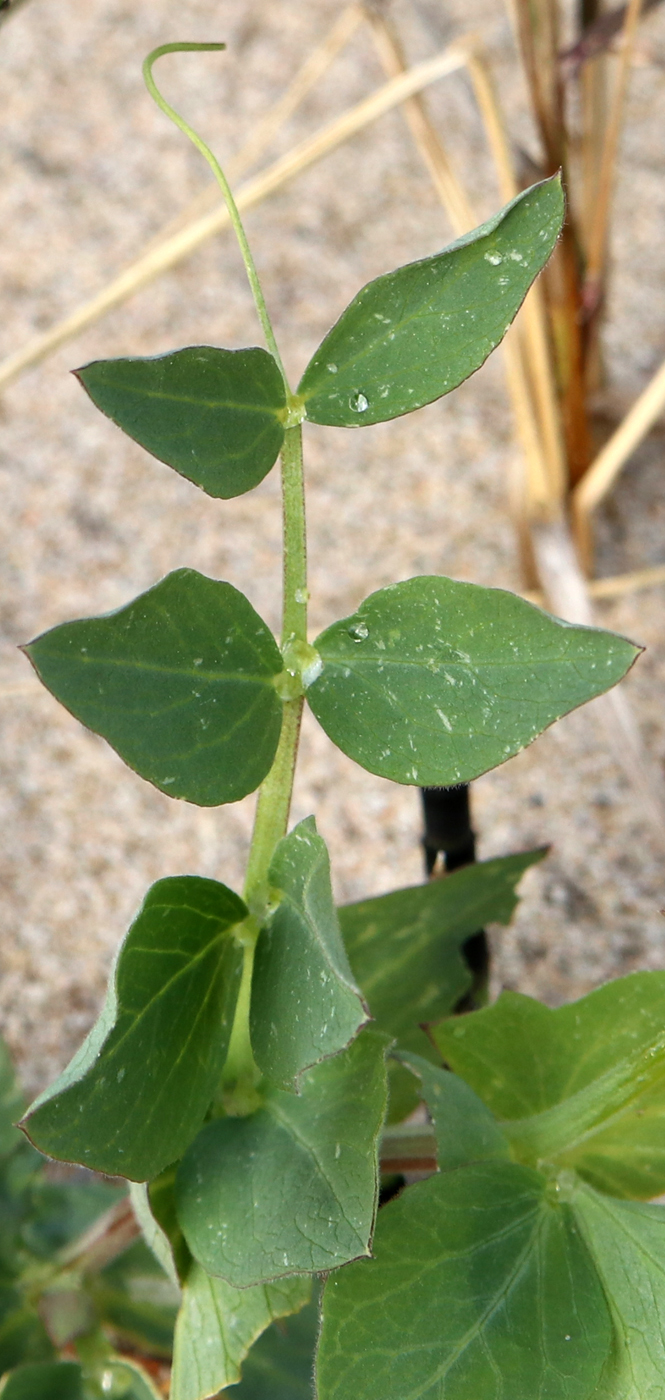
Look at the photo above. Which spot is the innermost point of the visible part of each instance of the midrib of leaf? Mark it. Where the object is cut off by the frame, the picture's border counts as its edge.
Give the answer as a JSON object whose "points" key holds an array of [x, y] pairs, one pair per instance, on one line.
{"points": [[476, 1329], [200, 403], [550, 1130]]}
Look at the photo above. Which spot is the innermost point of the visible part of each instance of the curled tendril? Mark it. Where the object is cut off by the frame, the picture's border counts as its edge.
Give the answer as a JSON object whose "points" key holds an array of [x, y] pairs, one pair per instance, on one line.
{"points": [[221, 179]]}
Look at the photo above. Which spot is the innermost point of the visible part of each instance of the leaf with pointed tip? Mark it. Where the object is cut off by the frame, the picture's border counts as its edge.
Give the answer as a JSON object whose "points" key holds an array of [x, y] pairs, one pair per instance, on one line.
{"points": [[61, 1380], [479, 1286], [405, 947], [180, 682], [217, 1325], [215, 416], [415, 334], [281, 1364], [464, 1129], [305, 1005], [137, 1091], [627, 1243], [303, 1169], [434, 682], [582, 1086]]}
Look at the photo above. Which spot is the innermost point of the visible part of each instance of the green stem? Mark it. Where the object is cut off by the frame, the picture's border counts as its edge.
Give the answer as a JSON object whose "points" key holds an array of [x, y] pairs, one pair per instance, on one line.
{"points": [[294, 614], [274, 801], [222, 181], [272, 812]]}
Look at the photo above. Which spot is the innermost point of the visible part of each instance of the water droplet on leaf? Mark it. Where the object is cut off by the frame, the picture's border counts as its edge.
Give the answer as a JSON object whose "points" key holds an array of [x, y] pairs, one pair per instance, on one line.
{"points": [[359, 632], [359, 403]]}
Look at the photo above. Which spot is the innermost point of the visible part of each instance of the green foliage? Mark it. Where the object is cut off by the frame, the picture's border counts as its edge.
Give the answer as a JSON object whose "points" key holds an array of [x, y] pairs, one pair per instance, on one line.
{"points": [[303, 1168], [55, 1382], [281, 1364], [433, 681], [417, 333], [180, 682], [137, 1091], [218, 1325], [478, 1286], [405, 947], [305, 1005], [231, 1069], [598, 1101], [215, 416]]}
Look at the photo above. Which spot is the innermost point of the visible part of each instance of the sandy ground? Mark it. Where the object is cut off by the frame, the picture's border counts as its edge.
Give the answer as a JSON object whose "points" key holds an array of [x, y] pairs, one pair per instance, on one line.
{"points": [[90, 170]]}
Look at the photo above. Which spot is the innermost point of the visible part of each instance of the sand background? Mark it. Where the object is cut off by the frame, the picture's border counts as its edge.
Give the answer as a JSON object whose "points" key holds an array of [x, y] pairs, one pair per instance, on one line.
{"points": [[89, 170]]}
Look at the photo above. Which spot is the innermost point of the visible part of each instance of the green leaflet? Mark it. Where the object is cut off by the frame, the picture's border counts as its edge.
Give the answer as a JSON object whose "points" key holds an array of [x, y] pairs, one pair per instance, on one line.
{"points": [[434, 682], [218, 1324], [11, 1104], [464, 1128], [627, 1242], [180, 683], [302, 1169], [480, 1287], [57, 1381], [582, 1086], [280, 1365], [404, 947], [305, 1004], [214, 415], [136, 1092], [415, 334]]}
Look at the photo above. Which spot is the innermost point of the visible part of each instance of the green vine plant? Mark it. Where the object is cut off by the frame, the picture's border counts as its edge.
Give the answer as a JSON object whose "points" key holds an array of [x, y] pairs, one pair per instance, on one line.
{"points": [[253, 1071]]}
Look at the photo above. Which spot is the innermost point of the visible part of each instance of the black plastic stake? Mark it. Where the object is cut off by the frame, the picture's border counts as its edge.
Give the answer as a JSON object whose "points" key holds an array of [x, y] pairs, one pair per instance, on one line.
{"points": [[449, 833]]}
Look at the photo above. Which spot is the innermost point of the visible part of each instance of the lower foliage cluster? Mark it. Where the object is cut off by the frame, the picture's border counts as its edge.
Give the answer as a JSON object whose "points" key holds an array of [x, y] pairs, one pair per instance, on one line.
{"points": [[525, 1263]]}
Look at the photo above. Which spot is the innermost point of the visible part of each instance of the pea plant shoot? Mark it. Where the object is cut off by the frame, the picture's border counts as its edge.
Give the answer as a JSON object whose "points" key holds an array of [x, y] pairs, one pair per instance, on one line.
{"points": [[257, 1056]]}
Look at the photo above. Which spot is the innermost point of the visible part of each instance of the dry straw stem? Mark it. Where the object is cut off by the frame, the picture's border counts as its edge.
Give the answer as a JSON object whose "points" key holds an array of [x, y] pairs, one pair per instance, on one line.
{"points": [[614, 455], [181, 244], [530, 371], [597, 245], [448, 186]]}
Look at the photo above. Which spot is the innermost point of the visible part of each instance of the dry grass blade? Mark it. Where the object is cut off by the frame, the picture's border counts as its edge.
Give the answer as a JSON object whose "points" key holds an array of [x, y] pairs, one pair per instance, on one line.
{"points": [[614, 455], [444, 178], [181, 244], [598, 233], [547, 467], [618, 585]]}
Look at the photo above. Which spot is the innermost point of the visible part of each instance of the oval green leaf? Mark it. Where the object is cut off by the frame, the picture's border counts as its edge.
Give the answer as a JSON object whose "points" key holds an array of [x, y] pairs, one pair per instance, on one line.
{"points": [[217, 1325], [180, 683], [305, 1004], [413, 335], [582, 1086], [405, 947], [215, 416], [480, 1288], [434, 682], [302, 1169], [137, 1091]]}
